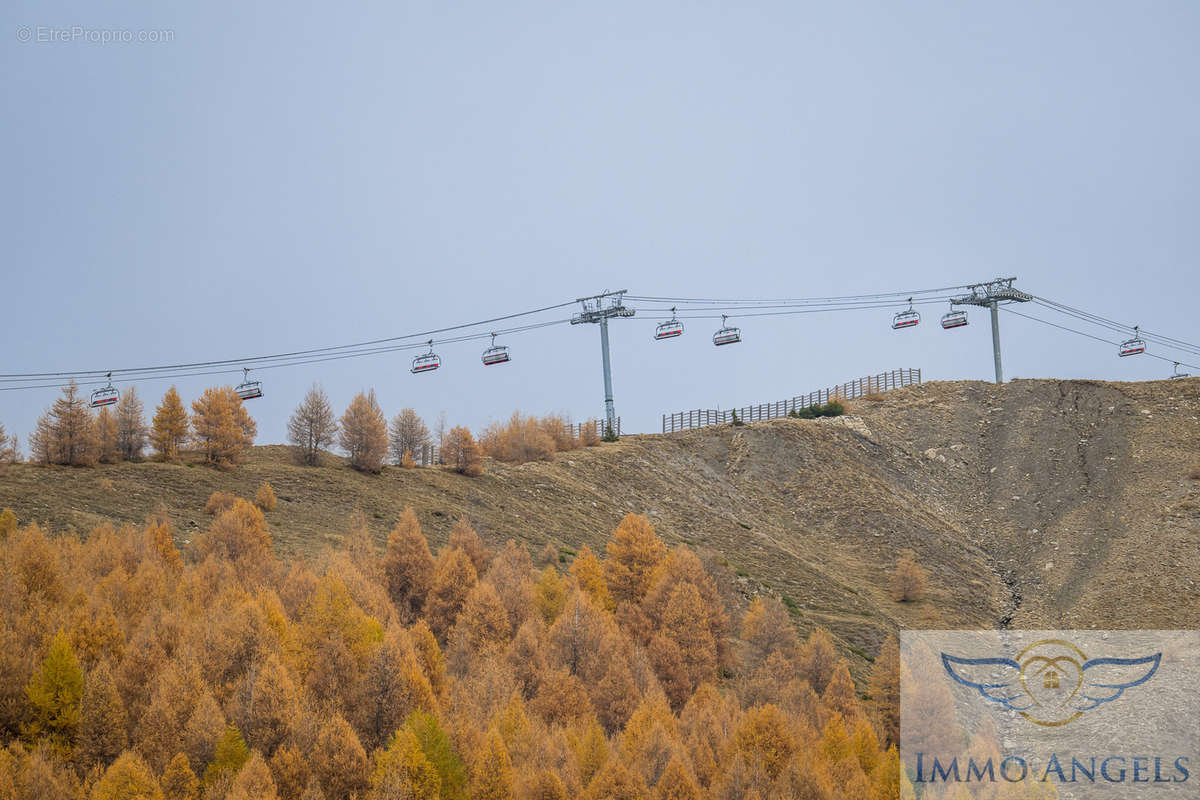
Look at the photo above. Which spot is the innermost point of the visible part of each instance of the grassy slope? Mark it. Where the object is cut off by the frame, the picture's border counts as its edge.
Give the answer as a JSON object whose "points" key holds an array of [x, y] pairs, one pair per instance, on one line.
{"points": [[1037, 503]]}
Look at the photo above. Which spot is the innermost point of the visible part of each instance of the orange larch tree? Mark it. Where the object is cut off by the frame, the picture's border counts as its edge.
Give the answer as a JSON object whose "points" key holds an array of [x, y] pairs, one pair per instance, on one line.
{"points": [[131, 425], [453, 579], [363, 433], [108, 447], [169, 429], [222, 429], [460, 451], [408, 566], [634, 553], [66, 433]]}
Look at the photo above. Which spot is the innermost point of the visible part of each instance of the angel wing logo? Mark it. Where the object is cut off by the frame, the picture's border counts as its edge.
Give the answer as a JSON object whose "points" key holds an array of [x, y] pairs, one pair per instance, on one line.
{"points": [[1051, 682]]}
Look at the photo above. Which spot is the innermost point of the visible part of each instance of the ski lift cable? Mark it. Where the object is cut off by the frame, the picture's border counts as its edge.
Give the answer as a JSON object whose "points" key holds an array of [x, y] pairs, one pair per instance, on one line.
{"points": [[1116, 326], [314, 351], [702, 313], [294, 361], [1167, 342], [1096, 338], [793, 300], [762, 307], [830, 306]]}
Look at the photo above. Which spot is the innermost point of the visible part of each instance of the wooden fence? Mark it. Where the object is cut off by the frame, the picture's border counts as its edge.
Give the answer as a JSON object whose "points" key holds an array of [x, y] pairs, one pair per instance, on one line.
{"points": [[859, 387], [593, 427]]}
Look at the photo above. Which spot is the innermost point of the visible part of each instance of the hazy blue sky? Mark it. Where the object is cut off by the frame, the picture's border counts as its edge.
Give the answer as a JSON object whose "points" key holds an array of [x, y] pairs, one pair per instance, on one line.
{"points": [[281, 176]]}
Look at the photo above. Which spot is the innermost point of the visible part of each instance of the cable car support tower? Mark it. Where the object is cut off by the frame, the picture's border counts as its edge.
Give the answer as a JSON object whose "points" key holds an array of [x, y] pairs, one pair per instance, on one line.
{"points": [[599, 309], [991, 295]]}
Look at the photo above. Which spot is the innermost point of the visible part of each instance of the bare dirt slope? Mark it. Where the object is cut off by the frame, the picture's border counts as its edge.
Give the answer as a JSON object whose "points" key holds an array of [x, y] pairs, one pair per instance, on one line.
{"points": [[1032, 504]]}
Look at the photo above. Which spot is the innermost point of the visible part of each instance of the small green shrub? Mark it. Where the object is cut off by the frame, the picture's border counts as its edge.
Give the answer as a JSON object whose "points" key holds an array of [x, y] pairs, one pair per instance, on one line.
{"points": [[834, 408], [861, 654]]}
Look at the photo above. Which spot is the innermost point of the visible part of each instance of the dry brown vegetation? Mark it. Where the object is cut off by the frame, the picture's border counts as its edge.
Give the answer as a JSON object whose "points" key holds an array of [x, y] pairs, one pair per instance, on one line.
{"points": [[312, 427], [135, 669], [522, 439], [222, 430], [219, 503], [462, 453], [407, 434], [589, 433], [908, 579], [363, 433], [66, 434], [70, 434], [131, 425], [265, 498], [10, 450]]}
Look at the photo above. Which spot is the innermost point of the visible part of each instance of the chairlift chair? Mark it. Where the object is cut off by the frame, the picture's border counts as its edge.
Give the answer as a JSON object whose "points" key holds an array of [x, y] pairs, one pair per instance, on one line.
{"points": [[669, 329], [248, 389], [428, 362], [1134, 346], [106, 396], [727, 334], [906, 319], [495, 354], [955, 319], [1178, 374]]}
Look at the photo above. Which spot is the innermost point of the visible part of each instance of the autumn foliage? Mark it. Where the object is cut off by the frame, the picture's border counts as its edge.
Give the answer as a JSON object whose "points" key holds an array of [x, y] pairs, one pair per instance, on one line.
{"points": [[523, 438], [265, 498], [66, 433], [312, 427], [222, 429], [10, 450], [169, 429], [132, 669], [407, 437], [908, 580], [219, 502], [462, 453], [364, 433]]}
